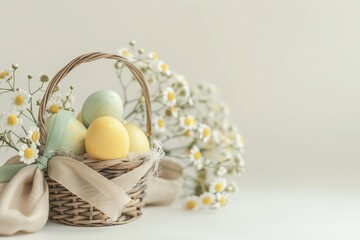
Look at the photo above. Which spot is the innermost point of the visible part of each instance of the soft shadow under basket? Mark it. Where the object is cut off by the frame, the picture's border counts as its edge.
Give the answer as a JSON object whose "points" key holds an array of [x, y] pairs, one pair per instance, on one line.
{"points": [[67, 208]]}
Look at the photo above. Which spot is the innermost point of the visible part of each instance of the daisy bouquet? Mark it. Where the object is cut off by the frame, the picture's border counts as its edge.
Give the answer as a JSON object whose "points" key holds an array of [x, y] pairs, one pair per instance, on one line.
{"points": [[18, 130], [194, 125]]}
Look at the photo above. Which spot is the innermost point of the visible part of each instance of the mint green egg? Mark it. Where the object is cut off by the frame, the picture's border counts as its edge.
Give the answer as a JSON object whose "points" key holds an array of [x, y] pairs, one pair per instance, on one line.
{"points": [[100, 104], [74, 135]]}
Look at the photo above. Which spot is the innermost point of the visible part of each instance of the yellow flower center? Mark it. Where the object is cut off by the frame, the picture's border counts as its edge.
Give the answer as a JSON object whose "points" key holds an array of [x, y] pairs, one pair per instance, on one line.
{"points": [[222, 201], [197, 155], [19, 100], [191, 205], [126, 53], [189, 121], [206, 132], [35, 136], [218, 187], [155, 56], [160, 123], [29, 153], [54, 108], [171, 96], [188, 133], [12, 120], [3, 75], [206, 200], [164, 67]]}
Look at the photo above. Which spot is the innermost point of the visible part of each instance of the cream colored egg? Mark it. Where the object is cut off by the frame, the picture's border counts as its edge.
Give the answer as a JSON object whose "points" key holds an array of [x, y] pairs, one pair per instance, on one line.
{"points": [[74, 134], [138, 140], [107, 139], [102, 103]]}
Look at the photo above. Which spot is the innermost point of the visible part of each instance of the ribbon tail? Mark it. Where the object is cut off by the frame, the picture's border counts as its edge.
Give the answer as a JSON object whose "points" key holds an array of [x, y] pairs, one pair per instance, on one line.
{"points": [[24, 202], [89, 185], [166, 188]]}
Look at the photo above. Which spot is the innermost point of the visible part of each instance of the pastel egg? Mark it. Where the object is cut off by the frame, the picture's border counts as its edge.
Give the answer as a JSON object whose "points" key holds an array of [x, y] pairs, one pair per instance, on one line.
{"points": [[107, 139], [138, 140], [102, 103], [74, 135]]}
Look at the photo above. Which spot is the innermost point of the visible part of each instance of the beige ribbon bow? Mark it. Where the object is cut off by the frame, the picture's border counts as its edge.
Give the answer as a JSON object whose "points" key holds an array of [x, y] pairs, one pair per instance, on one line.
{"points": [[24, 201]]}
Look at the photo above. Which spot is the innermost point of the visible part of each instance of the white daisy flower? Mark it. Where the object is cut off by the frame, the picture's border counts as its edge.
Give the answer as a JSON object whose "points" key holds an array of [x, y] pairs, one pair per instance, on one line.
{"points": [[218, 185], [55, 104], [205, 132], [163, 68], [34, 135], [124, 52], [191, 203], [182, 89], [159, 124], [153, 56], [221, 171], [225, 154], [6, 74], [11, 121], [188, 122], [27, 154], [222, 199], [206, 199], [197, 157], [20, 100], [169, 97], [233, 187]]}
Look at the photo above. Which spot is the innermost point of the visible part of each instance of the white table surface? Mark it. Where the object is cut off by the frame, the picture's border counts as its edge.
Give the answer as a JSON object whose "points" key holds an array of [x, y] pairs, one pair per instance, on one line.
{"points": [[251, 214]]}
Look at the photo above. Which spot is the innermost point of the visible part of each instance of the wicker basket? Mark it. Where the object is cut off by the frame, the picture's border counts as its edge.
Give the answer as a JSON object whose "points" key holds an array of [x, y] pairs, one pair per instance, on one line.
{"points": [[67, 208]]}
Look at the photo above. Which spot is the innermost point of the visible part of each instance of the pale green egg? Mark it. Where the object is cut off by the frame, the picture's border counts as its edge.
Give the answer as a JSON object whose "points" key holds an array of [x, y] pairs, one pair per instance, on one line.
{"points": [[103, 103], [74, 135]]}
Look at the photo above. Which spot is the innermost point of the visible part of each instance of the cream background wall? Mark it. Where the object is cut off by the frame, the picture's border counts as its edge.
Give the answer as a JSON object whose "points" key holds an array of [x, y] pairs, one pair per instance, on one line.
{"points": [[288, 69]]}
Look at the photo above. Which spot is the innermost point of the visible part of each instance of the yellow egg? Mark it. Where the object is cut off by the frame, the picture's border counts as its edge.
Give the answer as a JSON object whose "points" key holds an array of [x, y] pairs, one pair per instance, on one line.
{"points": [[107, 139], [103, 103], [74, 134], [138, 140]]}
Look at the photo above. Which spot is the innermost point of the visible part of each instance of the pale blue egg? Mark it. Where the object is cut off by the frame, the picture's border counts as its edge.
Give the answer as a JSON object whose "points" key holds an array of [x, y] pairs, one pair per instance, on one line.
{"points": [[100, 104]]}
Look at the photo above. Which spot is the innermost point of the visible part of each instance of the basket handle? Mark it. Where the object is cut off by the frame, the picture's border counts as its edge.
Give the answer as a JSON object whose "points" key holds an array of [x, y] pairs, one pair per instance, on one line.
{"points": [[89, 57]]}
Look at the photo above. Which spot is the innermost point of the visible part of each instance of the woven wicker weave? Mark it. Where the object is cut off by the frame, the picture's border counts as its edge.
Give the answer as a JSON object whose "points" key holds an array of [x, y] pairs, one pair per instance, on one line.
{"points": [[67, 208]]}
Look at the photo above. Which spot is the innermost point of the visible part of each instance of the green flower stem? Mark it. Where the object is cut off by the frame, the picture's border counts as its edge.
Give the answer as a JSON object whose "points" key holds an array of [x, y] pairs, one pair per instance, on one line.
{"points": [[37, 90], [23, 114], [32, 114], [9, 142], [67, 98], [133, 111], [10, 145], [14, 79]]}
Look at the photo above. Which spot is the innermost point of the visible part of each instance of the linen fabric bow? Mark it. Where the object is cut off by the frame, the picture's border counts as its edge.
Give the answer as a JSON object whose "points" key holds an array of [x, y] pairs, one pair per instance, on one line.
{"points": [[24, 195]]}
